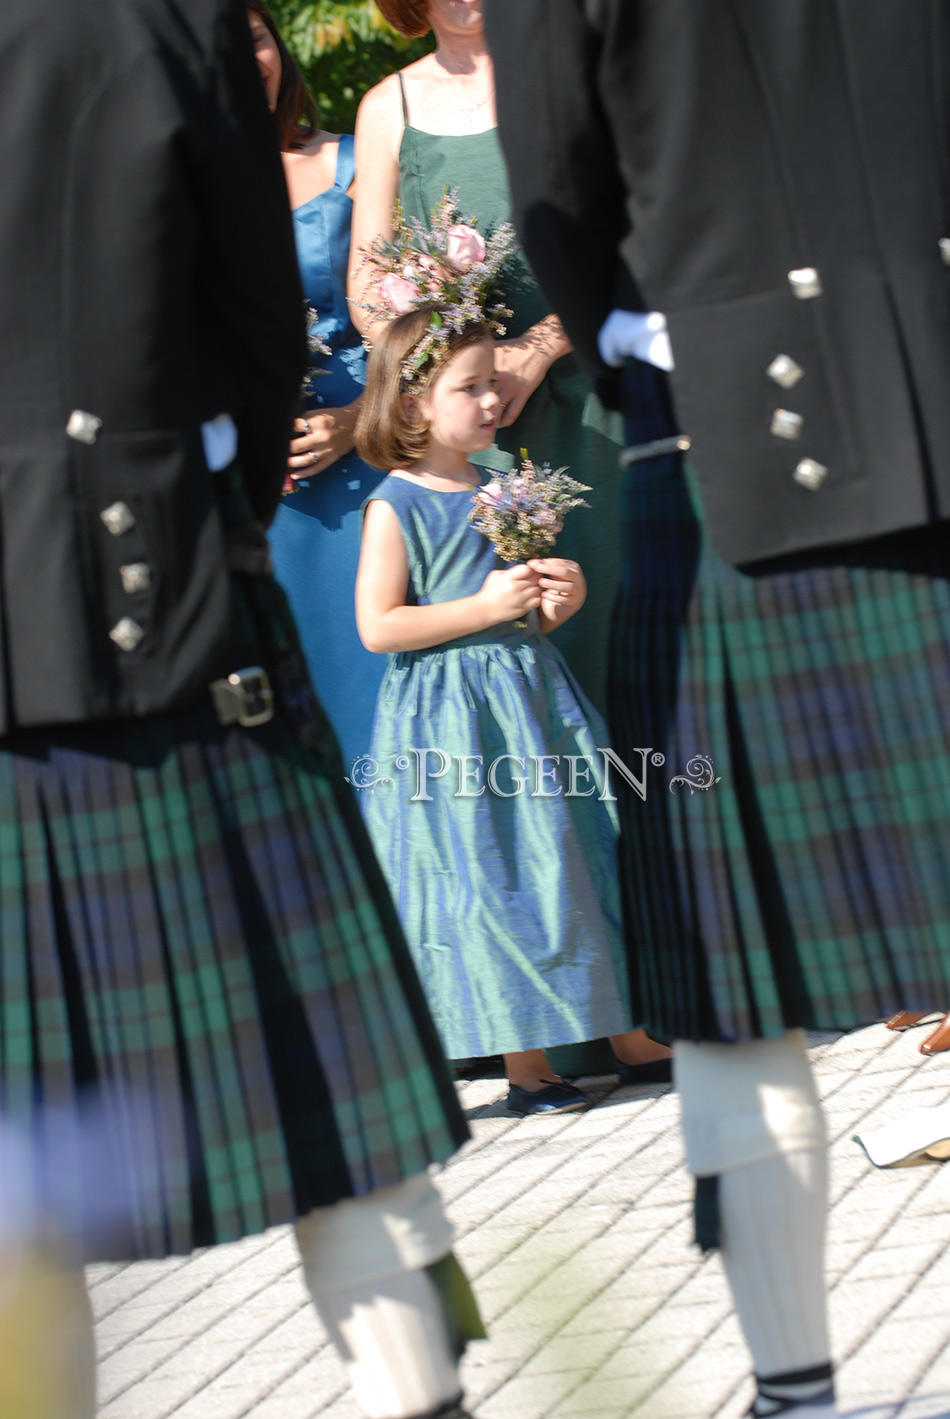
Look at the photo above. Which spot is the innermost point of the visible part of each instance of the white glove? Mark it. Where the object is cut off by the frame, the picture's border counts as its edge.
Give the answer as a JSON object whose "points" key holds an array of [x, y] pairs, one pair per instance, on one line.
{"points": [[625, 333]]}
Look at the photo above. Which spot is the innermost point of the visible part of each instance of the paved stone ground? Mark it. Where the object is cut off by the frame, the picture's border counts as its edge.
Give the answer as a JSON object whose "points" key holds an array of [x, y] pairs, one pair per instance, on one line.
{"points": [[576, 1232]]}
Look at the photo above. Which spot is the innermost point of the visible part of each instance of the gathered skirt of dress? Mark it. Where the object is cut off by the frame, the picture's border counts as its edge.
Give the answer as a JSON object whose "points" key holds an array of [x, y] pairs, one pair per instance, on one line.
{"points": [[810, 885], [202, 972], [508, 895]]}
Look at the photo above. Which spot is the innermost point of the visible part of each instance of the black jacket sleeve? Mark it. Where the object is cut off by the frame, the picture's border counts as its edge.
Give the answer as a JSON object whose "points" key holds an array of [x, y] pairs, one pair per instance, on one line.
{"points": [[567, 195], [248, 265]]}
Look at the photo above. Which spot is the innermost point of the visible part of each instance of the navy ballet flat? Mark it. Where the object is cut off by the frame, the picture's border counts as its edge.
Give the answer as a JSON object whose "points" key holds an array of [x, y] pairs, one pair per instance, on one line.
{"points": [[552, 1099]]}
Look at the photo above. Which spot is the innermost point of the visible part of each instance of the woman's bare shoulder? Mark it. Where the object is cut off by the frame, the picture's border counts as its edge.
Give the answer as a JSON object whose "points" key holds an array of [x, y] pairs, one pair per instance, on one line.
{"points": [[381, 100]]}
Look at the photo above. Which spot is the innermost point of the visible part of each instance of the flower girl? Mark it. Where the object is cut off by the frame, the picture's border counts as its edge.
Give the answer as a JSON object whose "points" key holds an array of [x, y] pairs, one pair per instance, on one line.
{"points": [[486, 811]]}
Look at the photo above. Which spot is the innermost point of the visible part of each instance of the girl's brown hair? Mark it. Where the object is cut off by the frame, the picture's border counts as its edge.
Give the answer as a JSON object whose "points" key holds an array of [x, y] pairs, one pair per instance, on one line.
{"points": [[386, 437], [296, 115], [409, 17]]}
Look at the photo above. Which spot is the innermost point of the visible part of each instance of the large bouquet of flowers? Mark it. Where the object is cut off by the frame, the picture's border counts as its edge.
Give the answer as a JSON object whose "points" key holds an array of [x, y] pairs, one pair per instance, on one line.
{"points": [[522, 512], [451, 268]]}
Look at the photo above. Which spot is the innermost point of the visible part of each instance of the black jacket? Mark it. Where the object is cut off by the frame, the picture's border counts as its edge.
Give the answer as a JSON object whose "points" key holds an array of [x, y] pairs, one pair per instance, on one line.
{"points": [[148, 280], [686, 156]]}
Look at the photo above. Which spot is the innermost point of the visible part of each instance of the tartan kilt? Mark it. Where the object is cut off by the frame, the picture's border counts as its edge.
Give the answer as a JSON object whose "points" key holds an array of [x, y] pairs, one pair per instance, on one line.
{"points": [[200, 967], [810, 885]]}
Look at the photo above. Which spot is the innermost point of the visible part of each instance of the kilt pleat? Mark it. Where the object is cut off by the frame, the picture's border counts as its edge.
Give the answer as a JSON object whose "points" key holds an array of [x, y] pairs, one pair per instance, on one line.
{"points": [[810, 885], [197, 953]]}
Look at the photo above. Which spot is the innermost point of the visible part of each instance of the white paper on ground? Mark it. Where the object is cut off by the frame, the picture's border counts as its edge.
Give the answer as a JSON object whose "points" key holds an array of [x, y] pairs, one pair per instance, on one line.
{"points": [[921, 1136]]}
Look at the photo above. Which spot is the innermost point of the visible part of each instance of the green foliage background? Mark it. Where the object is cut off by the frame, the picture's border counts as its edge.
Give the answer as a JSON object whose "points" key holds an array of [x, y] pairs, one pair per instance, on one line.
{"points": [[343, 47]]}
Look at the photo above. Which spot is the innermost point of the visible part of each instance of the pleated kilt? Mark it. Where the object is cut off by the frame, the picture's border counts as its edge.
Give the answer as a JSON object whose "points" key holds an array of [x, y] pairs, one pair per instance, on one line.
{"points": [[202, 976], [810, 885]]}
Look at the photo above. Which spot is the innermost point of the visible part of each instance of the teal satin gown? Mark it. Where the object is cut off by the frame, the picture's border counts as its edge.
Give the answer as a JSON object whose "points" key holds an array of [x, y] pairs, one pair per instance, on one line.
{"points": [[509, 899], [315, 537]]}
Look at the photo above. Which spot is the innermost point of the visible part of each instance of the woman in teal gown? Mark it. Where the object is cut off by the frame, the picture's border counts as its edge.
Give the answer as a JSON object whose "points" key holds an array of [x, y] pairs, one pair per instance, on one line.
{"points": [[432, 127], [315, 537]]}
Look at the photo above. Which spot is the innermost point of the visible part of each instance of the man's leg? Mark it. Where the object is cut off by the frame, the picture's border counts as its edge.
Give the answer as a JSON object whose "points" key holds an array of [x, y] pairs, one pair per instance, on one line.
{"points": [[751, 1119], [373, 1266]]}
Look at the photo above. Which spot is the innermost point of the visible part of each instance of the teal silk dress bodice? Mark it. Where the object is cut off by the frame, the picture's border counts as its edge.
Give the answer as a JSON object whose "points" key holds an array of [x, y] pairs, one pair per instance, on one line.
{"points": [[563, 422], [507, 894]]}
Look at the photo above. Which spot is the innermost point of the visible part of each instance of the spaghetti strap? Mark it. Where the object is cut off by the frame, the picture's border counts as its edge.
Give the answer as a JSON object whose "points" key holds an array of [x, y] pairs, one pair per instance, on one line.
{"points": [[402, 95], [345, 162]]}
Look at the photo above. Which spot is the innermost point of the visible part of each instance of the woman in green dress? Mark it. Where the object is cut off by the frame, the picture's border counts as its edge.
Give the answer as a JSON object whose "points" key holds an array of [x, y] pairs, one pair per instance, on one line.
{"points": [[430, 127]]}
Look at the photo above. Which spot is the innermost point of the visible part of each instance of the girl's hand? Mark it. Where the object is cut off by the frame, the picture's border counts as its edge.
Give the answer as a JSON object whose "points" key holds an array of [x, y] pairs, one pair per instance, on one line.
{"points": [[562, 585], [509, 595], [522, 363], [321, 436]]}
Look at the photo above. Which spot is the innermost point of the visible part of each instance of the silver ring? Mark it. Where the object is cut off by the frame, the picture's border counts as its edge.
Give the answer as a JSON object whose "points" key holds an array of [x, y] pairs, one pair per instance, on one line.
{"points": [[314, 456], [306, 426]]}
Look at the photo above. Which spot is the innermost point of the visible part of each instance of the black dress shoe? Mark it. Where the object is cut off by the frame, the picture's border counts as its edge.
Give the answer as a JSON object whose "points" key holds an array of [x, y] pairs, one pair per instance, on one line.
{"points": [[658, 1071], [552, 1099], [452, 1410]]}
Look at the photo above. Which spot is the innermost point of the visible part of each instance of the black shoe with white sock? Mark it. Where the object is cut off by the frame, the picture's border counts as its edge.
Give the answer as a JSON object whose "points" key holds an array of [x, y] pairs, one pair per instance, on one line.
{"points": [[801, 1394]]}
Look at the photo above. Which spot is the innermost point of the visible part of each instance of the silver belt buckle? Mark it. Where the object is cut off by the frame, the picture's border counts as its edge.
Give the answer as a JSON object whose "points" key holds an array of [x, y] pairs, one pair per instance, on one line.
{"points": [[640, 452], [244, 698]]}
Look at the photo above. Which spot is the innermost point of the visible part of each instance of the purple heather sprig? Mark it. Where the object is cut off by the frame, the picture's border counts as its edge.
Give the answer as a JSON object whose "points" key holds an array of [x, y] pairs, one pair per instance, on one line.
{"points": [[316, 346], [522, 512], [450, 268]]}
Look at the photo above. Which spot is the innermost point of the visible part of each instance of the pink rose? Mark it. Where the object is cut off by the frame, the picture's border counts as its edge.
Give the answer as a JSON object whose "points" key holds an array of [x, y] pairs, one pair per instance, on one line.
{"points": [[491, 494], [545, 517], [398, 293], [465, 248]]}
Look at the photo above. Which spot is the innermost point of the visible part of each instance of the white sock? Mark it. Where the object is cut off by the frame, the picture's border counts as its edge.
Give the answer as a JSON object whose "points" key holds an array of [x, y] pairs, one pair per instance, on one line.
{"points": [[364, 1261], [751, 1117], [391, 1335], [773, 1217]]}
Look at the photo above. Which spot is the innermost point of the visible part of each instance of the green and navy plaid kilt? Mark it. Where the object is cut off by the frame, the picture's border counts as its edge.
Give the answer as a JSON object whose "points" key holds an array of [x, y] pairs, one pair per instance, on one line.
{"points": [[198, 954], [810, 885]]}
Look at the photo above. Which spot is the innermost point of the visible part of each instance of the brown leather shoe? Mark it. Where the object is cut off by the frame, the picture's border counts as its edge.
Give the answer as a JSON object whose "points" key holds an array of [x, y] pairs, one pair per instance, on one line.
{"points": [[904, 1019], [939, 1039]]}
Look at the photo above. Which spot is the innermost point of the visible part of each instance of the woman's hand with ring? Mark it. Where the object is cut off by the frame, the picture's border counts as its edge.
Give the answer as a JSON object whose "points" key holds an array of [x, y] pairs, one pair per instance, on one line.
{"points": [[321, 436]]}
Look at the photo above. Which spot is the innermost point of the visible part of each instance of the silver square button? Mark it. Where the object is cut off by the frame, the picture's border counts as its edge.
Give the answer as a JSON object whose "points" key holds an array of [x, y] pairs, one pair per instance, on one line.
{"points": [[137, 576], [83, 427], [118, 518], [127, 633], [785, 371], [787, 425], [810, 474], [805, 283]]}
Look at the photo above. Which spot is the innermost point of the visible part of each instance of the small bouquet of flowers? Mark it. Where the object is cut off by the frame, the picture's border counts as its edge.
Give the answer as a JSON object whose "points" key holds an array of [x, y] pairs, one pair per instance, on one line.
{"points": [[522, 512], [316, 346], [451, 266]]}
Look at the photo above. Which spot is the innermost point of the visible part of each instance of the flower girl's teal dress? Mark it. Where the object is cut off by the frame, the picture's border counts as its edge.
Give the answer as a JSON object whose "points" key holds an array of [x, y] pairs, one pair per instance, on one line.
{"points": [[508, 897]]}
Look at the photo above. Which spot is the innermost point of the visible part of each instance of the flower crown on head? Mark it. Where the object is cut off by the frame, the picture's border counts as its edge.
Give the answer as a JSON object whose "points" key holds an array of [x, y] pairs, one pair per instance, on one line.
{"points": [[450, 270]]}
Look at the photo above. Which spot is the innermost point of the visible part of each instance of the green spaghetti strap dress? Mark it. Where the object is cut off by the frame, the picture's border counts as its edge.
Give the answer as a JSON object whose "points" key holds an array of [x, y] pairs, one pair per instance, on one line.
{"points": [[563, 421]]}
